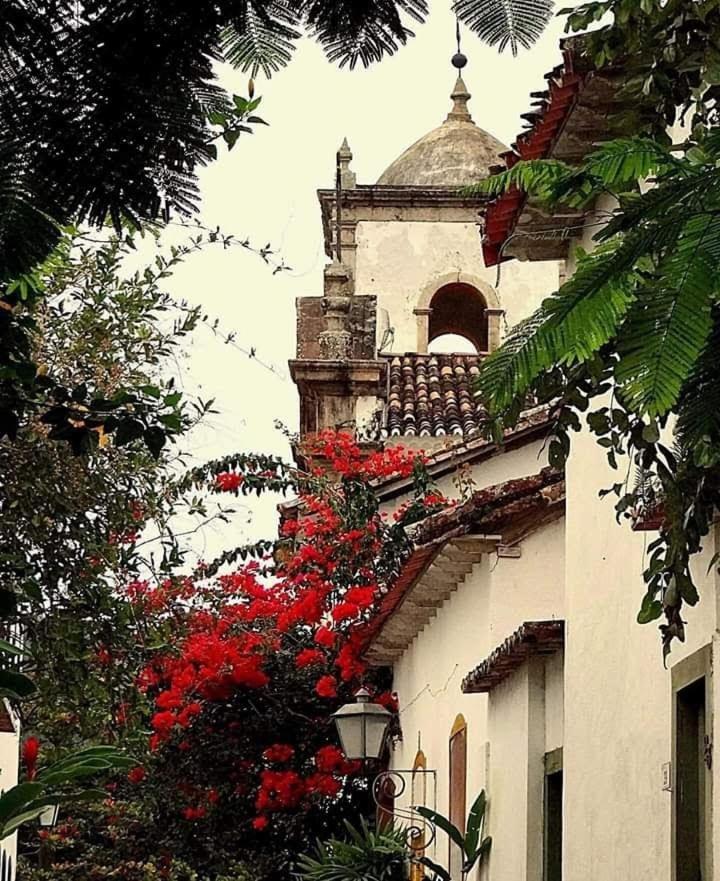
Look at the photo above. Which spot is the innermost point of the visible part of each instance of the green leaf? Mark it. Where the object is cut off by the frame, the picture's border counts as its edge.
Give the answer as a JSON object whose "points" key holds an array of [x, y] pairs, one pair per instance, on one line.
{"points": [[230, 137], [18, 820], [670, 322], [479, 855], [650, 610], [443, 823], [439, 871], [155, 439], [17, 797], [475, 821], [14, 684], [128, 430]]}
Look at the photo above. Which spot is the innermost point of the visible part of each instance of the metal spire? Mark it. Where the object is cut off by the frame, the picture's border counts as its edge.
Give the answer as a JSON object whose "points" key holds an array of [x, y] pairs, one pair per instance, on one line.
{"points": [[460, 94]]}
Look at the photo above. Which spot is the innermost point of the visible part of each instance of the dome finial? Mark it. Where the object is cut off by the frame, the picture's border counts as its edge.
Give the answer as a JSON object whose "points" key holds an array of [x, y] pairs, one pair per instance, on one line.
{"points": [[458, 60], [460, 95]]}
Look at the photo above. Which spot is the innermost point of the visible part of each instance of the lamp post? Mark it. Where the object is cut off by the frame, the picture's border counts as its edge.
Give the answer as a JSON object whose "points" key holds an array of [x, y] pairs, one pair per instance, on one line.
{"points": [[48, 819], [362, 727]]}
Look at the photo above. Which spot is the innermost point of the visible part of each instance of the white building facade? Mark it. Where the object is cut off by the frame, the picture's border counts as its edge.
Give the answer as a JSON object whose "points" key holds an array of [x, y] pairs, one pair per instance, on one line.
{"points": [[511, 632]]}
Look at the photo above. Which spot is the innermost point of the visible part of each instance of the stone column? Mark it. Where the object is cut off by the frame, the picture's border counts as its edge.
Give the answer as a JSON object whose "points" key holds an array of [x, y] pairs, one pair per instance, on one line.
{"points": [[336, 340], [494, 319], [423, 329]]}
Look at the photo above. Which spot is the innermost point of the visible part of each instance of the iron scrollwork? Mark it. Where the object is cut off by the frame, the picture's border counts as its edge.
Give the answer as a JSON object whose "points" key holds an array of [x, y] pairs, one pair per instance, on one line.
{"points": [[420, 832]]}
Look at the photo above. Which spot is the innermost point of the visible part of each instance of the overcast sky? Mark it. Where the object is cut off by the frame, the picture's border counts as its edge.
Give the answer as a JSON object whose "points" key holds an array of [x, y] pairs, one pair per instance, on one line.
{"points": [[265, 190]]}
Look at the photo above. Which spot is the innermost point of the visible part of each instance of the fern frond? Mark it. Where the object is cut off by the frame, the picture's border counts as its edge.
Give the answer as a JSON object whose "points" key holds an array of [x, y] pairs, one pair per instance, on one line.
{"points": [[571, 325], [352, 32], [670, 322], [504, 23], [679, 197]]}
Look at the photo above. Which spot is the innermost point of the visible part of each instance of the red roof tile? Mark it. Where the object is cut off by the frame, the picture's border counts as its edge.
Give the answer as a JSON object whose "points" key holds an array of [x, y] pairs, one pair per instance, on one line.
{"points": [[546, 124], [433, 396], [531, 638]]}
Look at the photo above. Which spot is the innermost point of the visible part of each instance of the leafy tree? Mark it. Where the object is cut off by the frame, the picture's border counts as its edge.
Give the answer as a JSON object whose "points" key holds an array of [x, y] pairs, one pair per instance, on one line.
{"points": [[638, 322], [107, 109]]}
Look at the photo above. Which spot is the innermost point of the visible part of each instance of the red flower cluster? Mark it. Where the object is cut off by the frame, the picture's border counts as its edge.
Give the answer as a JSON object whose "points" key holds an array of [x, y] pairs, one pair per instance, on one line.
{"points": [[30, 753], [326, 686], [137, 775], [279, 753], [228, 481], [307, 606]]}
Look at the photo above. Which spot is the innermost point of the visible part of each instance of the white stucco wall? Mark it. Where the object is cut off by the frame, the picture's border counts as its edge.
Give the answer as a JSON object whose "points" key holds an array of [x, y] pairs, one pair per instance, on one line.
{"points": [[618, 698], [468, 626], [520, 462], [398, 260], [9, 770], [618, 695]]}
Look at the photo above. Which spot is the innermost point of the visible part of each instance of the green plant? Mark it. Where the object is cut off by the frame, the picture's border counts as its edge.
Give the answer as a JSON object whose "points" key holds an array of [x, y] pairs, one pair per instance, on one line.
{"points": [[366, 854], [56, 785], [474, 845]]}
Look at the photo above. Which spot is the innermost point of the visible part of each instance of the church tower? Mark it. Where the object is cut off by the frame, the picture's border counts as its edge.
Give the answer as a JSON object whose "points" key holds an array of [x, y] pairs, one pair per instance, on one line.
{"points": [[409, 309]]}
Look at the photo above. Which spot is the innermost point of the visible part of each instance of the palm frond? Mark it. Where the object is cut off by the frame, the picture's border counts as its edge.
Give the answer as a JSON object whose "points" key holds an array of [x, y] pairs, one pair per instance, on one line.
{"points": [[262, 37], [670, 322], [677, 198], [571, 325], [624, 161], [698, 410], [504, 23], [538, 177], [352, 32]]}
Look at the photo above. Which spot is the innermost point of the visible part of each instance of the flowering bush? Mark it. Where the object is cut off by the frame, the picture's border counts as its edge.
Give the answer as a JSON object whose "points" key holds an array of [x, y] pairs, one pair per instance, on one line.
{"points": [[242, 737]]}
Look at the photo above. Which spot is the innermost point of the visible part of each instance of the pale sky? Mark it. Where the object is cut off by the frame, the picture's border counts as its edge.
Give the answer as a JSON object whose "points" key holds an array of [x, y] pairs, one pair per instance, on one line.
{"points": [[265, 190]]}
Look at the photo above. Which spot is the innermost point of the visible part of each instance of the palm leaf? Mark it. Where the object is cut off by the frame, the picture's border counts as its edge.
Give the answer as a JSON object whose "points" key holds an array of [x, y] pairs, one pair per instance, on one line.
{"points": [[539, 177], [450, 829], [625, 161], [504, 23], [475, 821], [352, 32], [670, 322]]}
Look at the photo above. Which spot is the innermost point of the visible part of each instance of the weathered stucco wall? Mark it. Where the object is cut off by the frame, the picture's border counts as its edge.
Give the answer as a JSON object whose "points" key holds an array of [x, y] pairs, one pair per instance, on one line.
{"points": [[400, 262]]}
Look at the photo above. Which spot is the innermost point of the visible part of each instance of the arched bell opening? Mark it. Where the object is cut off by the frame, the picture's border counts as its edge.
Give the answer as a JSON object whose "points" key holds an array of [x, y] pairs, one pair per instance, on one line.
{"points": [[458, 316]]}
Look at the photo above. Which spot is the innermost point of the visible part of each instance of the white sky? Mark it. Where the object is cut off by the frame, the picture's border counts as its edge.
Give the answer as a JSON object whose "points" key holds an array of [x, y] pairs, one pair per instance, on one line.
{"points": [[265, 190]]}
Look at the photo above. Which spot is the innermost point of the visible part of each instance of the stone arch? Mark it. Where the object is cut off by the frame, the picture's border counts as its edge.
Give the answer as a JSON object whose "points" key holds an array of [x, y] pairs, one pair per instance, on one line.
{"points": [[466, 281]]}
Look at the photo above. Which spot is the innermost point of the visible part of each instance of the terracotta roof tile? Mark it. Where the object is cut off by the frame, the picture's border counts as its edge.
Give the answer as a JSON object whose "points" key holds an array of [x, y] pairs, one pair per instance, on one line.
{"points": [[531, 638], [432, 396]]}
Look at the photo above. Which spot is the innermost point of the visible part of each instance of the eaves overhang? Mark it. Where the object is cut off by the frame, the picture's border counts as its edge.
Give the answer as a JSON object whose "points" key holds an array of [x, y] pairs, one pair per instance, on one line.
{"points": [[531, 638]]}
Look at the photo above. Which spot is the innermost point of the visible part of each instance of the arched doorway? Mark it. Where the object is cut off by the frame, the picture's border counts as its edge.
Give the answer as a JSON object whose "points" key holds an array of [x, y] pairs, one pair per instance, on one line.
{"points": [[459, 310]]}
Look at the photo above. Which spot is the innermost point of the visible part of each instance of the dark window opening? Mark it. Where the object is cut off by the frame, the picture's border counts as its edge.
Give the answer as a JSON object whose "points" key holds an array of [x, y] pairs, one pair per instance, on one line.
{"points": [[553, 826], [690, 783], [459, 309]]}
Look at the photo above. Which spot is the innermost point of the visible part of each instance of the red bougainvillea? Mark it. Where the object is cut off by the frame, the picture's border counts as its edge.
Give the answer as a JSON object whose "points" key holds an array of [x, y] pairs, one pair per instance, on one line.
{"points": [[267, 651]]}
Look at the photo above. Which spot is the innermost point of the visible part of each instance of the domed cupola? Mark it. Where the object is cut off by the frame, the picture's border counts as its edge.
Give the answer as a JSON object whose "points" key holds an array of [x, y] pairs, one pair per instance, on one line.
{"points": [[455, 154]]}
